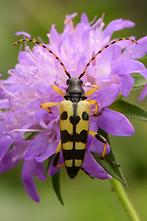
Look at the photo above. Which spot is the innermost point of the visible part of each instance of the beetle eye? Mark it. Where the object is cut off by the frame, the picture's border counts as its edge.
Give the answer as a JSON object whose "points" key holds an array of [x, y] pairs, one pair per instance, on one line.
{"points": [[68, 82]]}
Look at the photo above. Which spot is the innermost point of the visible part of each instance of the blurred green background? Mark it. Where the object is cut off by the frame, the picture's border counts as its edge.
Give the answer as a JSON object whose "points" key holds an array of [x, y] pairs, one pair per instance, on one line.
{"points": [[85, 199]]}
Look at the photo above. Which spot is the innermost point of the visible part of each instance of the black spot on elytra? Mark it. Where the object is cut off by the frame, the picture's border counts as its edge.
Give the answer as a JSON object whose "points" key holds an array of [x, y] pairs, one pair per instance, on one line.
{"points": [[85, 116], [83, 136], [66, 137], [73, 154], [74, 120], [64, 115]]}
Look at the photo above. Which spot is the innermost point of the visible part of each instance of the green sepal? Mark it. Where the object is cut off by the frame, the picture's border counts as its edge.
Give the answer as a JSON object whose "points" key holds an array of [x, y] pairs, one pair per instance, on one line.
{"points": [[56, 186], [29, 135], [109, 163], [130, 110], [140, 81]]}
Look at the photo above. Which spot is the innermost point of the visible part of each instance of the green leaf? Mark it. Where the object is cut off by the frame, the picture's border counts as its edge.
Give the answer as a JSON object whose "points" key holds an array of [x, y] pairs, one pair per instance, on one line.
{"points": [[111, 166], [56, 186], [139, 81], [130, 110], [109, 163]]}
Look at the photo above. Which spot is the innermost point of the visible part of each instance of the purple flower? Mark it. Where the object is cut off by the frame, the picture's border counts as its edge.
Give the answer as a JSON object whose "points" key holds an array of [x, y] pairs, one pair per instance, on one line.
{"points": [[144, 93], [29, 85]]}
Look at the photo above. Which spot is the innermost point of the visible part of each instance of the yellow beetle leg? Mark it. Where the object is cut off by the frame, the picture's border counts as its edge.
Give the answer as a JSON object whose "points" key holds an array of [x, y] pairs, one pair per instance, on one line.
{"points": [[58, 90], [46, 106], [102, 139], [94, 102], [58, 148], [91, 91]]}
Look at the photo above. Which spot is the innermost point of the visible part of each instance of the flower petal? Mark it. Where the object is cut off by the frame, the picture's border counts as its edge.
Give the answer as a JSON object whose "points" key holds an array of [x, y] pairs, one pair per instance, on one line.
{"points": [[107, 95], [136, 51], [117, 25], [143, 93], [126, 84], [23, 33], [115, 123], [98, 147], [37, 147], [5, 142], [54, 36], [8, 162], [93, 168], [84, 19], [31, 168], [50, 150], [125, 66], [103, 69], [4, 104]]}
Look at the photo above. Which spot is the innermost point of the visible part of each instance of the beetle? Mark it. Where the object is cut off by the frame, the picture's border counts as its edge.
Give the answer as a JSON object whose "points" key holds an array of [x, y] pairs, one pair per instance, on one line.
{"points": [[74, 112]]}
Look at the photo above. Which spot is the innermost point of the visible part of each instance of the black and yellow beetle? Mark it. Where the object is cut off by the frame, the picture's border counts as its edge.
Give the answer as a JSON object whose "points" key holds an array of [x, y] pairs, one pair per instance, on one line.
{"points": [[74, 114]]}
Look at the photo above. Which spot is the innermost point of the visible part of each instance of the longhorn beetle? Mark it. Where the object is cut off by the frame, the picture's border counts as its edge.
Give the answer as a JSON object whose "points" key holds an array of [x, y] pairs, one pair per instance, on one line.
{"points": [[74, 114]]}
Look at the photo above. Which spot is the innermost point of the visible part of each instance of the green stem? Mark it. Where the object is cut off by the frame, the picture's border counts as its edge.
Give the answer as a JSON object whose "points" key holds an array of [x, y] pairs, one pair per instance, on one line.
{"points": [[124, 200]]}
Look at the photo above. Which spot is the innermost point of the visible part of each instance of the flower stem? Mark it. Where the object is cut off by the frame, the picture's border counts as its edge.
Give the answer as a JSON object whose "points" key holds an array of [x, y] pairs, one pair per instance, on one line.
{"points": [[126, 203]]}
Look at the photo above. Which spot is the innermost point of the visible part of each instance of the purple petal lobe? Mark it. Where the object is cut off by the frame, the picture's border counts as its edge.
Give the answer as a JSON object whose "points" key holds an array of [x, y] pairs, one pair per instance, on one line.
{"points": [[50, 150], [84, 19], [54, 36], [97, 146], [143, 93], [144, 73], [126, 84], [31, 168], [24, 34], [136, 51], [127, 66], [4, 104], [107, 96], [115, 123], [8, 162], [36, 147], [52, 169], [93, 168], [5, 143], [117, 25]]}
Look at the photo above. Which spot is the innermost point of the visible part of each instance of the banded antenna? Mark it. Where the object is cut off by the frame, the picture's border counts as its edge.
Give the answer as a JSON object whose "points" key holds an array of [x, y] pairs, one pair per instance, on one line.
{"points": [[37, 42], [101, 50]]}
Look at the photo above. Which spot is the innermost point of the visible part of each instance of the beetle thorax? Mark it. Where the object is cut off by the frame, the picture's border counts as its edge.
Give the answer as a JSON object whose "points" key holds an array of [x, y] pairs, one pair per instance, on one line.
{"points": [[75, 91]]}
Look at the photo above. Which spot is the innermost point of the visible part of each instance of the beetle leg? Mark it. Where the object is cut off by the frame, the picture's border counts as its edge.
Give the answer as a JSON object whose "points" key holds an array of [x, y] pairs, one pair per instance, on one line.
{"points": [[94, 102], [91, 91], [102, 139], [46, 106], [56, 157], [58, 90]]}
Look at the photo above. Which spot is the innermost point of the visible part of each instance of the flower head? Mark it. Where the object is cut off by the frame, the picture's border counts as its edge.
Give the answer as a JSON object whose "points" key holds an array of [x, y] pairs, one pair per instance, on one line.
{"points": [[31, 134]]}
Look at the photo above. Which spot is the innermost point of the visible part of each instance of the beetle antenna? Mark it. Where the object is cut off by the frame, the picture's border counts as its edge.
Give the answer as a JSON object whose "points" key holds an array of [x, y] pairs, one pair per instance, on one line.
{"points": [[101, 50], [37, 42]]}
